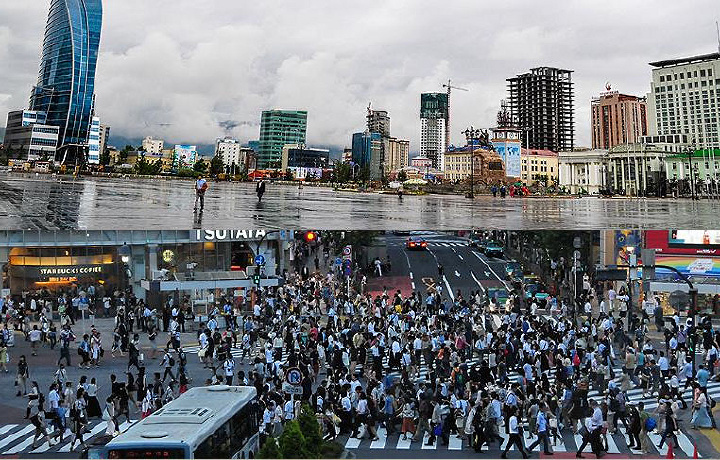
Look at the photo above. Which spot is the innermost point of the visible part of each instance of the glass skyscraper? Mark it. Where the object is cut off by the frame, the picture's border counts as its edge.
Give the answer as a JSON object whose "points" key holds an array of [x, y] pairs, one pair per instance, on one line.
{"points": [[277, 129], [66, 85]]}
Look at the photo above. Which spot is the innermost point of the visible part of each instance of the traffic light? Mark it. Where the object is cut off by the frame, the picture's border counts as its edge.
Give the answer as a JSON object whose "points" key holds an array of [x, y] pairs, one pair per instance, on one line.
{"points": [[311, 237], [256, 279]]}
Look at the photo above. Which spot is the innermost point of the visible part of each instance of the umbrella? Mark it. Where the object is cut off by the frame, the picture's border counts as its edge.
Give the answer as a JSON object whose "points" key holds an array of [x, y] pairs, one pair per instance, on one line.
{"points": [[395, 184]]}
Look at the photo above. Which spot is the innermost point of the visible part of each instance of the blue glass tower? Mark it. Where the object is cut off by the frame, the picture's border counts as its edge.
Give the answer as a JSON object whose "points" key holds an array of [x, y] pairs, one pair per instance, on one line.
{"points": [[66, 85]]}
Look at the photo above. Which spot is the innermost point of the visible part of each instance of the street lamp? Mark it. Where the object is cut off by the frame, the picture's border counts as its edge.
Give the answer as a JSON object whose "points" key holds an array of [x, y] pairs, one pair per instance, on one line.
{"points": [[691, 152], [471, 134], [125, 252], [632, 262]]}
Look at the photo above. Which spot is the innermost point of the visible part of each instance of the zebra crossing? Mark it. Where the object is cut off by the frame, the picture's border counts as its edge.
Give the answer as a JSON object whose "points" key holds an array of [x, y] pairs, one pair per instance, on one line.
{"points": [[16, 439], [617, 443]]}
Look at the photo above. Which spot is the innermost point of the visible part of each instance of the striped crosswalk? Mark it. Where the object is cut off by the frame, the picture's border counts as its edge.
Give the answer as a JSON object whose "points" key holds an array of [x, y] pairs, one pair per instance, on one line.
{"points": [[18, 439], [566, 442]]}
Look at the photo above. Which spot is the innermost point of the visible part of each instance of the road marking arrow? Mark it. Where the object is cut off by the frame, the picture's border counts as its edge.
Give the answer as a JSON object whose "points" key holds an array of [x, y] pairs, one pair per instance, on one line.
{"points": [[487, 274], [457, 273]]}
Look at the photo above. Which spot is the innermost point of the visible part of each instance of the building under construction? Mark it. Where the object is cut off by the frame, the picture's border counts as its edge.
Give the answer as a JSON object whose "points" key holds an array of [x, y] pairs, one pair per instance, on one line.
{"points": [[541, 101]]}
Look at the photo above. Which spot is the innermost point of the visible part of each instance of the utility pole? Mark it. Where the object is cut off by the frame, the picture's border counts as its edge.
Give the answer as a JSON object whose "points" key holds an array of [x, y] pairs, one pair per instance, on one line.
{"points": [[471, 134]]}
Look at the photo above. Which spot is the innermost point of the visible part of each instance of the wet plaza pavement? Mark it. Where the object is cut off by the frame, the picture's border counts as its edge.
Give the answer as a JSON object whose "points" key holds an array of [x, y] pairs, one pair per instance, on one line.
{"points": [[46, 203]]}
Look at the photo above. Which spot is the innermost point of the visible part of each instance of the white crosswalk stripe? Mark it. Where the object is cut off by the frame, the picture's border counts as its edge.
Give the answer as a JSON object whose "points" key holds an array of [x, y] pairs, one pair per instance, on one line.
{"points": [[18, 439]]}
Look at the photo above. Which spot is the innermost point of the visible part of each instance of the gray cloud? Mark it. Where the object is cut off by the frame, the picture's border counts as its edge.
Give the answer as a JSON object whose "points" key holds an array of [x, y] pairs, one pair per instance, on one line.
{"points": [[177, 68]]}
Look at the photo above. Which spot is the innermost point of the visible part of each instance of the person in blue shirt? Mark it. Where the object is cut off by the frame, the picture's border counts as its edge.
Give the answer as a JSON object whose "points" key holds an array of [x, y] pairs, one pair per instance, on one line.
{"points": [[542, 431], [702, 378]]}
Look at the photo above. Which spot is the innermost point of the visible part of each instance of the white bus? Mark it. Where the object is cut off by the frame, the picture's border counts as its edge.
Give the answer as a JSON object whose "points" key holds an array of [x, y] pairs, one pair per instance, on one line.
{"points": [[206, 422]]}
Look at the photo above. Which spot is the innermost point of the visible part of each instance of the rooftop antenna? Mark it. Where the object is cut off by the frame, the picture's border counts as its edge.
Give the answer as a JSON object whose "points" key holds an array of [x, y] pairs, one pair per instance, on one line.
{"points": [[717, 26]]}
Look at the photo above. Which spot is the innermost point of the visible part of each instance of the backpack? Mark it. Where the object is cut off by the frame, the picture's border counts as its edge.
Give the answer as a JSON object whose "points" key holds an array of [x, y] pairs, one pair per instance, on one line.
{"points": [[650, 424], [171, 361], [614, 404]]}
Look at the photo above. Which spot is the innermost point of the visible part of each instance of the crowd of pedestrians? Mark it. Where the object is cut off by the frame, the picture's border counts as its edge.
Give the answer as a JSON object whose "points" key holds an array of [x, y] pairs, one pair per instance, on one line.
{"points": [[423, 365]]}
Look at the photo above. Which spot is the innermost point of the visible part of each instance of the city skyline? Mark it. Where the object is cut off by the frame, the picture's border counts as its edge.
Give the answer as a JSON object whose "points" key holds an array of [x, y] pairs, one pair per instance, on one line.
{"points": [[183, 82]]}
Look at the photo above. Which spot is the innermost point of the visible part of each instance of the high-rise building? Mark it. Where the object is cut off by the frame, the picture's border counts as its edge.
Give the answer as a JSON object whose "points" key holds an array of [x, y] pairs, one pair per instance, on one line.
{"points": [[278, 128], [367, 153], [104, 136], [617, 119], [153, 146], [229, 151], [433, 116], [28, 138], [93, 156], [66, 84], [683, 99], [378, 121], [541, 103], [396, 155]]}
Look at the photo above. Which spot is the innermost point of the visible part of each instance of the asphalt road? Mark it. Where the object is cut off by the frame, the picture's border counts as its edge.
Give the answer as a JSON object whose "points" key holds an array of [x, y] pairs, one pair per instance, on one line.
{"points": [[29, 201]]}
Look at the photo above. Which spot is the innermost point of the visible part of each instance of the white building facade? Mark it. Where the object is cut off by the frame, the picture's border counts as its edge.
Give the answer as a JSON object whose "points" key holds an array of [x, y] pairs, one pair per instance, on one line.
{"points": [[583, 170], [432, 141], [230, 151], [93, 157], [153, 146], [27, 136], [684, 99]]}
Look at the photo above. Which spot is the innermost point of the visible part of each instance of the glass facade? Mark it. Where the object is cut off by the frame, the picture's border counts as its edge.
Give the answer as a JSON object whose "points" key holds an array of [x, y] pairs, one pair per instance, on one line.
{"points": [[278, 128], [66, 84]]}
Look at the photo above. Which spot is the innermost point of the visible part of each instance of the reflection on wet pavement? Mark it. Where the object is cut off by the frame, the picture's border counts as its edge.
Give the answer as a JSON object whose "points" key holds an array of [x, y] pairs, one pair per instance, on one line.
{"points": [[43, 202]]}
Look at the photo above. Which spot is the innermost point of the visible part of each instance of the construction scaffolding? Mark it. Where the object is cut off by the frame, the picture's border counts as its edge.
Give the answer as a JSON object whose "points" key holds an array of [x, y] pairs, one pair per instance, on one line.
{"points": [[542, 102]]}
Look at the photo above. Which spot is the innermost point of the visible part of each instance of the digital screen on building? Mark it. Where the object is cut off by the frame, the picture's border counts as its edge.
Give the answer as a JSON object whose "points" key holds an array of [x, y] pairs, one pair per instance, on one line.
{"points": [[694, 238]]}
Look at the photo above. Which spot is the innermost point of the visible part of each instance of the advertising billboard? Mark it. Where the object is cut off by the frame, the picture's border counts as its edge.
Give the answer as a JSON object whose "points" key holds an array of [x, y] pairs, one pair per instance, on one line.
{"points": [[510, 154], [185, 156], [689, 265], [694, 238]]}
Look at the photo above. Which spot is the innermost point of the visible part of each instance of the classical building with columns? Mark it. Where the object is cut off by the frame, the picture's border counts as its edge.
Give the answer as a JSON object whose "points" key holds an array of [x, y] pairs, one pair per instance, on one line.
{"points": [[636, 169], [583, 170]]}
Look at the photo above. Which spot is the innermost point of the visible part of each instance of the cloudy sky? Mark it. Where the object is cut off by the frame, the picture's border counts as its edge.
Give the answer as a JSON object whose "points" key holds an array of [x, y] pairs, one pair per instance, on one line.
{"points": [[194, 63]]}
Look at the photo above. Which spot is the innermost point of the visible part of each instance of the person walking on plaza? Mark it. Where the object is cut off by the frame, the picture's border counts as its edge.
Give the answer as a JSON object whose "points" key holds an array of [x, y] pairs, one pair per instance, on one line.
{"points": [[514, 434], [168, 362], [36, 414], [201, 187], [229, 369], [78, 418], [260, 190], [23, 374], [541, 426], [66, 336]]}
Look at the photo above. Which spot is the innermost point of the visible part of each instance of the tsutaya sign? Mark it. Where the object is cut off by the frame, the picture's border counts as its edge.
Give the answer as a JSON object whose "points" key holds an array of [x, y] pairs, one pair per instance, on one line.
{"points": [[229, 235]]}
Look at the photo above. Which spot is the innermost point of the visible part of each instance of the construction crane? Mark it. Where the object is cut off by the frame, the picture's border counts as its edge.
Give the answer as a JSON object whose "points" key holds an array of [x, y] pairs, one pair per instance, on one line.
{"points": [[449, 87]]}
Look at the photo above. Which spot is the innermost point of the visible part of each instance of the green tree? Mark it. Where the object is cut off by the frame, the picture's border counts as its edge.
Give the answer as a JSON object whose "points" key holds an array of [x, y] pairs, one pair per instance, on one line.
{"points": [[105, 157], [311, 431], [216, 166], [342, 173], [199, 167], [289, 176], [123, 156], [270, 449], [292, 441], [363, 174], [402, 176]]}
